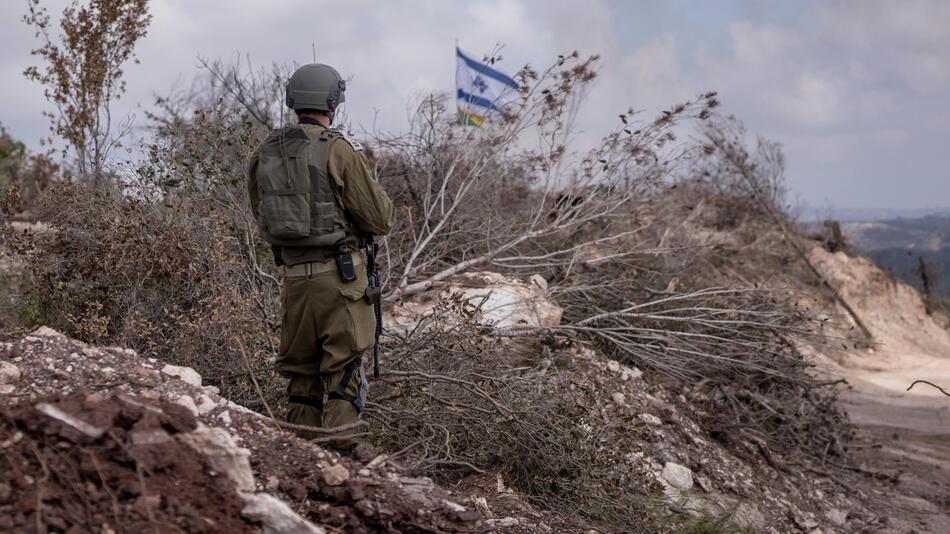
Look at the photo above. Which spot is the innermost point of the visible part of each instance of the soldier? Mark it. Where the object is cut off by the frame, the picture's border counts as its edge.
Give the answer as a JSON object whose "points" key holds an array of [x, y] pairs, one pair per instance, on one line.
{"points": [[318, 204]]}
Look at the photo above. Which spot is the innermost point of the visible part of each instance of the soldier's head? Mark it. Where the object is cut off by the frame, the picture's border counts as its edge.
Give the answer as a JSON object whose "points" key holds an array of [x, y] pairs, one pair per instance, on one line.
{"points": [[315, 90]]}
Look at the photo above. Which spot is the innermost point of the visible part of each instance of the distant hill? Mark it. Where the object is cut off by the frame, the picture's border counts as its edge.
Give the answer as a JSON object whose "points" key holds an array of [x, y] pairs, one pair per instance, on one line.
{"points": [[811, 213], [898, 244]]}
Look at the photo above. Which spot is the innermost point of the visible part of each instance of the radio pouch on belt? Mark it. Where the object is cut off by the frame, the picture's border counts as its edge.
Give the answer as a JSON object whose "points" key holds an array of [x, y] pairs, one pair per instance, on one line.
{"points": [[344, 266]]}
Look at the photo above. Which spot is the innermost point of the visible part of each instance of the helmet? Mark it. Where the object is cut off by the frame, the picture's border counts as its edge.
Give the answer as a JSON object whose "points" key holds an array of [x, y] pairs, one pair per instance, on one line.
{"points": [[315, 86]]}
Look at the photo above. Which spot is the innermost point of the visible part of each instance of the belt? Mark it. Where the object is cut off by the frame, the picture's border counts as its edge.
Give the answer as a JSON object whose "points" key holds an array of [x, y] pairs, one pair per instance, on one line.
{"points": [[316, 267]]}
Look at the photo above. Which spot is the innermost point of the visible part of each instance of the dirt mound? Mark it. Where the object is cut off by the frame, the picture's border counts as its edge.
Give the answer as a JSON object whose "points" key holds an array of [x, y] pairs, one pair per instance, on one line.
{"points": [[94, 434], [909, 343], [94, 464]]}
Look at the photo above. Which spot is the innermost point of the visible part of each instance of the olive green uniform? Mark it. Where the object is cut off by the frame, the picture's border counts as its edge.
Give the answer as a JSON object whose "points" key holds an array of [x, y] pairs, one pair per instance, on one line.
{"points": [[327, 324]]}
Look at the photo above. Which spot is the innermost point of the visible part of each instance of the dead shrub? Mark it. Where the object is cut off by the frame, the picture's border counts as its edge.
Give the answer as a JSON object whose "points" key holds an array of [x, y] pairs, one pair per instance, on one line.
{"points": [[455, 399], [161, 280]]}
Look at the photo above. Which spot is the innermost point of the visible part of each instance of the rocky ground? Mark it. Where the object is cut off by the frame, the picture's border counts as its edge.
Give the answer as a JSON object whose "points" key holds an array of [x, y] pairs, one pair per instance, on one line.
{"points": [[101, 437], [100, 440], [97, 439]]}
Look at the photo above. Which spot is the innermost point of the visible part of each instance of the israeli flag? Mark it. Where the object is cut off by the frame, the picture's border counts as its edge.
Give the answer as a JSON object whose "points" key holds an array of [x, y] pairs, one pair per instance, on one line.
{"points": [[481, 90]]}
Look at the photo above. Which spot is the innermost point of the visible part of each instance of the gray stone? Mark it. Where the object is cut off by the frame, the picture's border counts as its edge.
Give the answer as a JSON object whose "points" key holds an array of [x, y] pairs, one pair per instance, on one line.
{"points": [[680, 477], [185, 374], [335, 475], [837, 516], [274, 516], [223, 454], [650, 419], [9, 373]]}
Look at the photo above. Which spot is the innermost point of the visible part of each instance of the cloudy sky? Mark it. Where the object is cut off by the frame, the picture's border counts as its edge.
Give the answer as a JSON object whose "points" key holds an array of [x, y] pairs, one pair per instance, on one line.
{"points": [[858, 91]]}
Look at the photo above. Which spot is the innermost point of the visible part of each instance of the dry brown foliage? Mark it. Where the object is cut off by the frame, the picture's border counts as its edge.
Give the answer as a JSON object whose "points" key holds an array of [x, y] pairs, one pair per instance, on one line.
{"points": [[168, 281], [82, 74], [456, 399]]}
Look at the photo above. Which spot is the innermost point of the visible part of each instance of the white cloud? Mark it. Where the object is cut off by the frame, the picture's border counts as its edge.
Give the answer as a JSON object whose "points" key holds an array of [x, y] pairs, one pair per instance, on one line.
{"points": [[754, 46]]}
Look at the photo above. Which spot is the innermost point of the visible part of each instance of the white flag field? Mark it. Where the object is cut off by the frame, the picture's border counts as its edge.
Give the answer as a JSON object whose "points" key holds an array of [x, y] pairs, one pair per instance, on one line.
{"points": [[481, 90]]}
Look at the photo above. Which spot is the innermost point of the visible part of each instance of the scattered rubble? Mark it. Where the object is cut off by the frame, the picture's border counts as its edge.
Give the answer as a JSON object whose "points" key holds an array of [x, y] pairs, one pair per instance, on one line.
{"points": [[108, 410], [147, 458]]}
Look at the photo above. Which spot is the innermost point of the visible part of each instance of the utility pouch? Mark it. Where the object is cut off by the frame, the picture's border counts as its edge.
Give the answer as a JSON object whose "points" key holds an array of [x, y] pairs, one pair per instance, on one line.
{"points": [[283, 177], [344, 266], [371, 295]]}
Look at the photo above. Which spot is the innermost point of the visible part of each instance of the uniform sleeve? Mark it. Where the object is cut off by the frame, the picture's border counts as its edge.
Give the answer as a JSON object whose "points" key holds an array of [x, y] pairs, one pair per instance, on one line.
{"points": [[252, 181], [361, 195]]}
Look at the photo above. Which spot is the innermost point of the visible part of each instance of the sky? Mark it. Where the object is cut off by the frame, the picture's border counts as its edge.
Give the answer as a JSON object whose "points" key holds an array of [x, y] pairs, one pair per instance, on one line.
{"points": [[857, 91]]}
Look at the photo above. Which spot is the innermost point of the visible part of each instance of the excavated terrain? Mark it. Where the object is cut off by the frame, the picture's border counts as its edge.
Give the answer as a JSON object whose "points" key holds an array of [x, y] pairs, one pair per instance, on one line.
{"points": [[101, 440], [100, 436]]}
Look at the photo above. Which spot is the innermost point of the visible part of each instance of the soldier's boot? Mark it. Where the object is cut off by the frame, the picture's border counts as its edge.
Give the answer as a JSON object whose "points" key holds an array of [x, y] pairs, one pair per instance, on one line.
{"points": [[346, 397], [305, 403]]}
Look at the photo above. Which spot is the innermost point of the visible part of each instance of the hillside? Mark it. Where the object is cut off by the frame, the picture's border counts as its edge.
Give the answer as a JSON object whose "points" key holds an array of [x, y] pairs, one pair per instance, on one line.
{"points": [[898, 245], [60, 394]]}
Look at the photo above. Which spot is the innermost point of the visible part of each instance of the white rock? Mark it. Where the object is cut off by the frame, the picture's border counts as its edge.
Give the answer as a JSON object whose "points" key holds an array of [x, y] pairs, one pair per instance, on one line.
{"points": [[205, 404], [7, 389], [70, 420], [680, 477], [185, 374], [503, 301], [613, 366], [335, 475], [149, 437], [45, 331], [9, 373], [539, 281], [225, 417], [482, 504], [455, 507], [619, 398], [224, 456], [630, 373], [187, 403], [274, 516], [837, 516], [650, 419]]}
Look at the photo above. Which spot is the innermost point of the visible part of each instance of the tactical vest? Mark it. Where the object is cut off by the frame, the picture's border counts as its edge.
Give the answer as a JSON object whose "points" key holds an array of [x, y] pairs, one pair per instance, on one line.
{"points": [[297, 204]]}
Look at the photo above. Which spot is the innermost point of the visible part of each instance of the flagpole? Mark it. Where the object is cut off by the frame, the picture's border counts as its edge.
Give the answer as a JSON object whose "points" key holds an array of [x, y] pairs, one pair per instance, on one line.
{"points": [[458, 112]]}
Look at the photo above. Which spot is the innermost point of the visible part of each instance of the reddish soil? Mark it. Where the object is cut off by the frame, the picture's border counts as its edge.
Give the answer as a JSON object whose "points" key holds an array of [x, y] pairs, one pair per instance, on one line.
{"points": [[287, 466], [124, 472]]}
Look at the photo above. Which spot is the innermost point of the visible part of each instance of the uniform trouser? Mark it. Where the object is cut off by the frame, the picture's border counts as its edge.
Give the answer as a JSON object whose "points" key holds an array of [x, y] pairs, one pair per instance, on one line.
{"points": [[326, 326]]}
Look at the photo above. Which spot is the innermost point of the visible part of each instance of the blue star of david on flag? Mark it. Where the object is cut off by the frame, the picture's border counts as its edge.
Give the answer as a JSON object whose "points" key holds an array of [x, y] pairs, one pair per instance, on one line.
{"points": [[481, 90]]}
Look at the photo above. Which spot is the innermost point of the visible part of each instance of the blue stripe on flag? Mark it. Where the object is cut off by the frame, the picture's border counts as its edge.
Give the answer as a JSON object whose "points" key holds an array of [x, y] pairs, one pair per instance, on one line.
{"points": [[479, 101], [481, 68]]}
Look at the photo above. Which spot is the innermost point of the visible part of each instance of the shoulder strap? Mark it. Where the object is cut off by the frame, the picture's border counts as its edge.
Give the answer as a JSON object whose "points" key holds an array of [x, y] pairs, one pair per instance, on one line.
{"points": [[334, 133]]}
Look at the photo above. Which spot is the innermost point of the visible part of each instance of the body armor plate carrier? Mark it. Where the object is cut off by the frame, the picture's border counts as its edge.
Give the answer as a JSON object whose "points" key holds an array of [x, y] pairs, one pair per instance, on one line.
{"points": [[298, 207]]}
